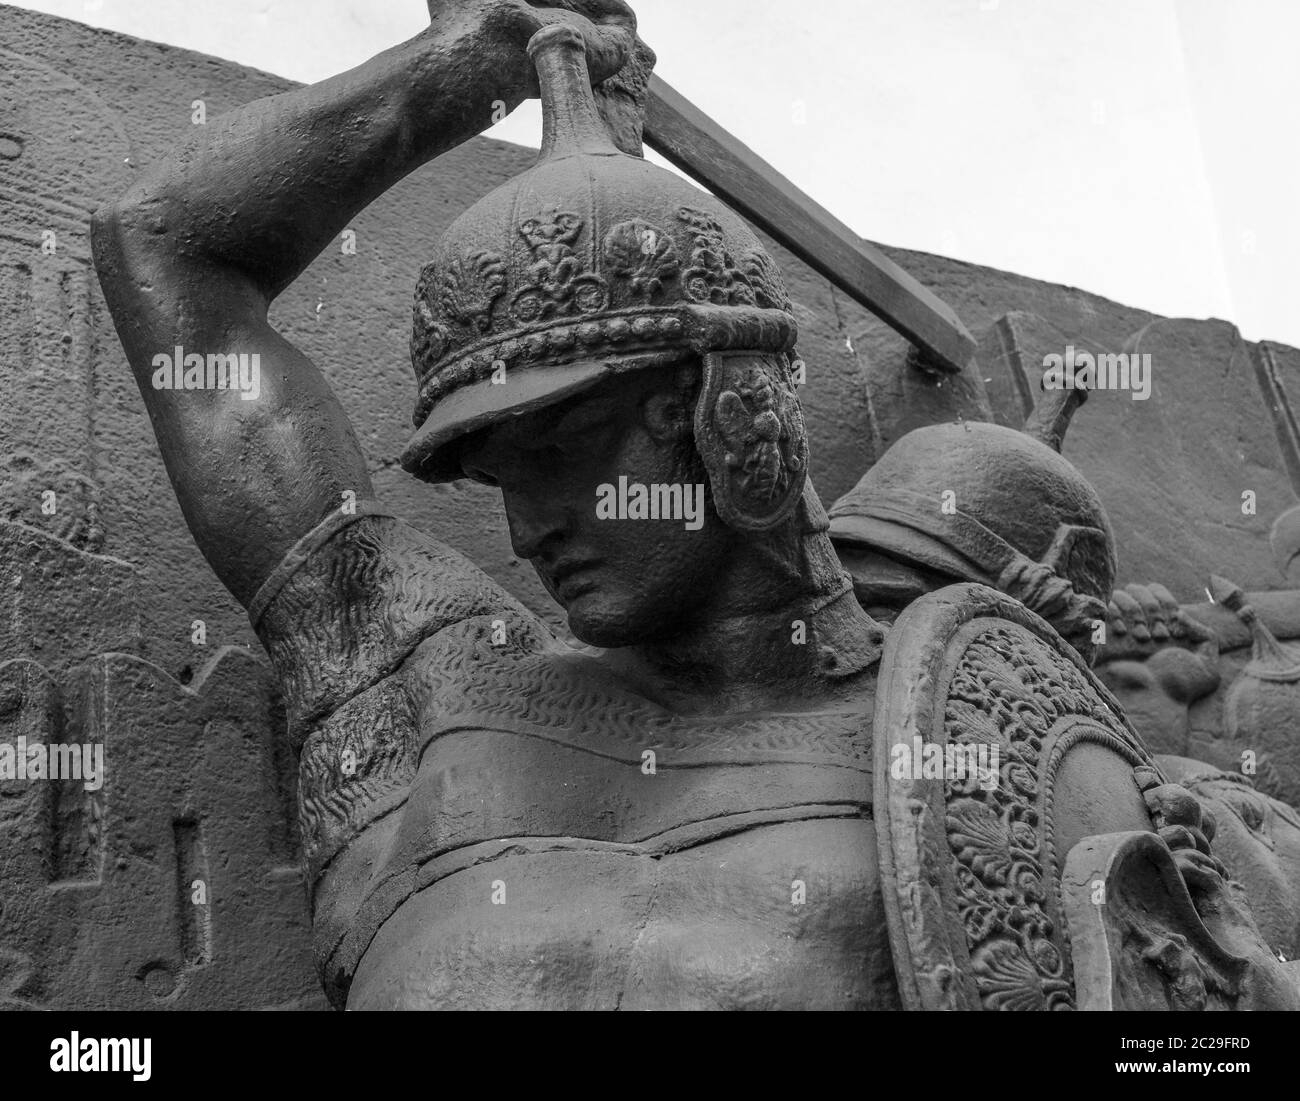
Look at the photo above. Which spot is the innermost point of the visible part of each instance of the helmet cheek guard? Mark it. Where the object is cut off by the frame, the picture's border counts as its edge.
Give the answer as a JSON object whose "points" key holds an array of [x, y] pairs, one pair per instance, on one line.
{"points": [[749, 430]]}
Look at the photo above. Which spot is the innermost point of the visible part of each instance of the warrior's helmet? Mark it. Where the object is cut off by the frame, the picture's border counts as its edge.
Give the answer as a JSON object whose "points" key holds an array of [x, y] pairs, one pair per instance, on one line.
{"points": [[1020, 518], [594, 263]]}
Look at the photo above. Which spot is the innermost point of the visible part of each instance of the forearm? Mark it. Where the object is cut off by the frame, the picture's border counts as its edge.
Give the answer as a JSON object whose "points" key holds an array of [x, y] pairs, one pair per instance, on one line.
{"points": [[261, 190]]}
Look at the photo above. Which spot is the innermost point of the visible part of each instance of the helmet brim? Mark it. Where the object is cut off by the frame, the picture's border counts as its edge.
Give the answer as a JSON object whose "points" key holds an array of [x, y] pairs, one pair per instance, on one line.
{"points": [[433, 453], [904, 544]]}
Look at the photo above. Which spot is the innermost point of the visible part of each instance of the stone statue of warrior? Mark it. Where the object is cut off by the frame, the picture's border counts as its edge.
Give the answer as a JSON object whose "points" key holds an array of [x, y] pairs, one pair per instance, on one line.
{"points": [[677, 814], [492, 817]]}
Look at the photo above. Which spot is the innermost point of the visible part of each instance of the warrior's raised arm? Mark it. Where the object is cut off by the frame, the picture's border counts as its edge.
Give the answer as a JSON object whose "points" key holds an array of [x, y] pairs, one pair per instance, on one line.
{"points": [[194, 253]]}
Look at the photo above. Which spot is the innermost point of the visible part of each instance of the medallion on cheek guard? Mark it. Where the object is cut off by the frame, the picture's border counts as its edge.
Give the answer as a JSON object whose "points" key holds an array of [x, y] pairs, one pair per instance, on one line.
{"points": [[749, 430]]}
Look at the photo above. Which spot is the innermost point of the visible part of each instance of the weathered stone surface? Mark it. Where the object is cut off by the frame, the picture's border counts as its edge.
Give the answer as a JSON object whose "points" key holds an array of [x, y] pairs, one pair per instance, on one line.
{"points": [[1258, 838], [1171, 668], [1010, 354], [903, 394], [98, 884], [49, 586], [1173, 469], [1277, 371]]}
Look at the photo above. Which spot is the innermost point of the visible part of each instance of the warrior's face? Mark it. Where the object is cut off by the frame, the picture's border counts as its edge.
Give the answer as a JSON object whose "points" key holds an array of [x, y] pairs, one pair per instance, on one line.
{"points": [[606, 497]]}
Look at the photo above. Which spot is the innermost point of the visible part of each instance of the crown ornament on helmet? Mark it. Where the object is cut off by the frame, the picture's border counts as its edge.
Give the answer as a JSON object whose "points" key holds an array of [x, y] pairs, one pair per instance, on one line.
{"points": [[594, 263]]}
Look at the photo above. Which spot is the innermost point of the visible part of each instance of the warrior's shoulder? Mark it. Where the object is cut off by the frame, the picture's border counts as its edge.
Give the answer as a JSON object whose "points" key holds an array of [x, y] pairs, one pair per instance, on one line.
{"points": [[356, 597]]}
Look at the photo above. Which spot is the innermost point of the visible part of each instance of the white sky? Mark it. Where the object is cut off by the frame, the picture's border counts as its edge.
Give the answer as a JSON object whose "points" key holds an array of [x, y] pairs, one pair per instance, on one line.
{"points": [[1145, 150]]}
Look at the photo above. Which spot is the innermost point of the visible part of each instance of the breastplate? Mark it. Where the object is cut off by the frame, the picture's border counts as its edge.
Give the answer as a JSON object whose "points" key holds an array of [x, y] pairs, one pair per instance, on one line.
{"points": [[546, 752]]}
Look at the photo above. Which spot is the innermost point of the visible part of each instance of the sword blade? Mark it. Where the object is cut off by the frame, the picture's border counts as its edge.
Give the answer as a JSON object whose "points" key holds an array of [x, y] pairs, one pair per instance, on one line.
{"points": [[686, 137]]}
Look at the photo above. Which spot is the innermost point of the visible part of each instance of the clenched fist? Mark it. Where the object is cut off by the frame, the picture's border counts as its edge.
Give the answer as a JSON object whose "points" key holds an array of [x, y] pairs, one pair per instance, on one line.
{"points": [[503, 28]]}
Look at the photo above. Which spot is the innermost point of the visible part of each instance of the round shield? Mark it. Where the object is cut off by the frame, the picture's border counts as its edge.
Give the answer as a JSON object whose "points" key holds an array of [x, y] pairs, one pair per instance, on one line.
{"points": [[997, 752]]}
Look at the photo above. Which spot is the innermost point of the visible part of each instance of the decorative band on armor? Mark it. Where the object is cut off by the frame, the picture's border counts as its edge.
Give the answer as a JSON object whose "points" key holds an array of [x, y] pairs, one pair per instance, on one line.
{"points": [[305, 547], [698, 328]]}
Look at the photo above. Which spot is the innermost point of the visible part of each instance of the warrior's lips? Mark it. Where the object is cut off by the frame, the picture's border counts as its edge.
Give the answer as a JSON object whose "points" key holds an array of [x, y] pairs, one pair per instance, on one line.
{"points": [[569, 578]]}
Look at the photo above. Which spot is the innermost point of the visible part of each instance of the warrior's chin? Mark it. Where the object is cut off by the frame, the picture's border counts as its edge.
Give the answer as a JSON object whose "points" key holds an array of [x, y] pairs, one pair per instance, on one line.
{"points": [[599, 633], [593, 621]]}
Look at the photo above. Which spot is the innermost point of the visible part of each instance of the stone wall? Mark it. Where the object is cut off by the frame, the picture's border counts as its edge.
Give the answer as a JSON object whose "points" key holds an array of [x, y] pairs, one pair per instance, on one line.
{"points": [[102, 594]]}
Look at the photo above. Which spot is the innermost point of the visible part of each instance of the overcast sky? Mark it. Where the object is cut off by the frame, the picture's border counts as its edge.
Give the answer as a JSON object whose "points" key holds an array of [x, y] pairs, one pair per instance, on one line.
{"points": [[1145, 150]]}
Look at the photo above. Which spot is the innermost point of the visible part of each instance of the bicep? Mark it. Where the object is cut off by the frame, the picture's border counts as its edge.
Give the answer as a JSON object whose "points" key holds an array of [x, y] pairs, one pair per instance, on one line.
{"points": [[255, 443]]}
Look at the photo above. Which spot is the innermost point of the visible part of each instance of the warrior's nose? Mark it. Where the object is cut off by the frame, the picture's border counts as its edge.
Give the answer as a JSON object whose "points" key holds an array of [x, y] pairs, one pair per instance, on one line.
{"points": [[536, 527]]}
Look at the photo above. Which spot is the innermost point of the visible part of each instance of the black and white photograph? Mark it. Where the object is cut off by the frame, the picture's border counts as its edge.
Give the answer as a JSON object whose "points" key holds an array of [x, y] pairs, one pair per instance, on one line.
{"points": [[649, 505]]}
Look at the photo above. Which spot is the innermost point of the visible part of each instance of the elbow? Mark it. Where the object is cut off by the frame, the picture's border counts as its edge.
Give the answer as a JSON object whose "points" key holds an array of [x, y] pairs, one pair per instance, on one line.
{"points": [[109, 255], [130, 273], [124, 227], [105, 234], [116, 232], [116, 254], [125, 250]]}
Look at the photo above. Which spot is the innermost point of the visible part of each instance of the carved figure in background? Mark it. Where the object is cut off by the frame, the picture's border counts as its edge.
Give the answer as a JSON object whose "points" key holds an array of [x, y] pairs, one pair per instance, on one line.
{"points": [[1170, 665], [1262, 708], [1022, 510], [1160, 662], [1164, 665], [31, 488], [982, 503]]}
